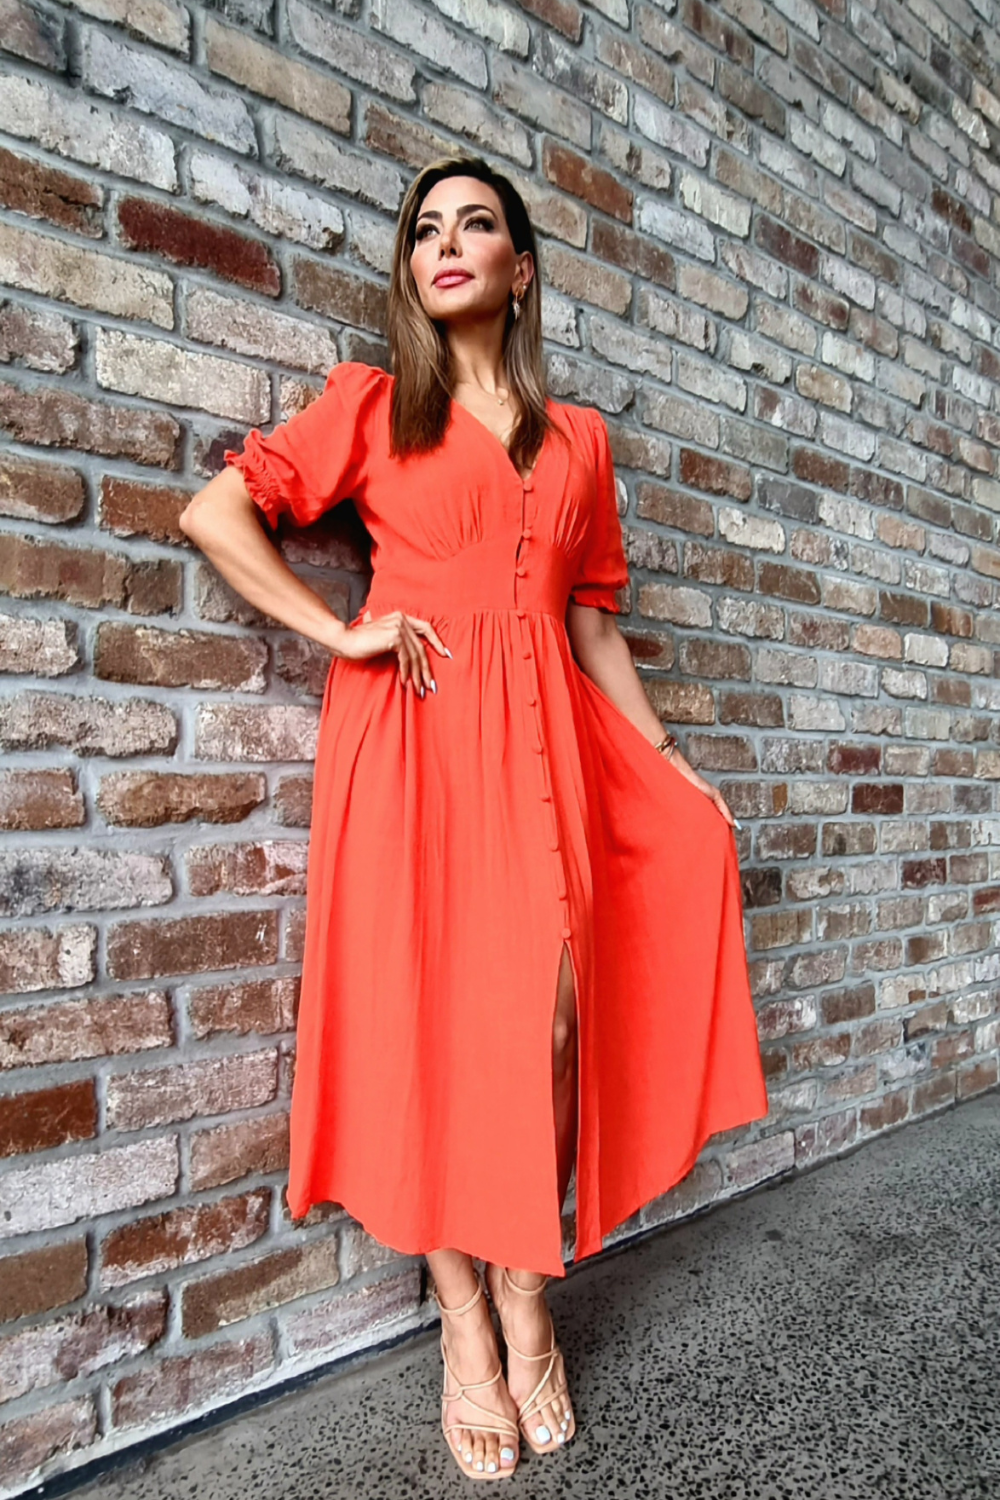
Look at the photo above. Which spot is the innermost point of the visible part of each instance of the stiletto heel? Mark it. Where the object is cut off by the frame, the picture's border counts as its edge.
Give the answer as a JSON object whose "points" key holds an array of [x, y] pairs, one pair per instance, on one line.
{"points": [[532, 1404], [496, 1421]]}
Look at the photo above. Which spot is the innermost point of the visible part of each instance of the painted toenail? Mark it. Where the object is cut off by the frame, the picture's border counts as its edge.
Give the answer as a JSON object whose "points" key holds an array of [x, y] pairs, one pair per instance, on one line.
{"points": [[507, 1453], [468, 1458], [491, 1467], [542, 1434], [479, 1463], [560, 1437]]}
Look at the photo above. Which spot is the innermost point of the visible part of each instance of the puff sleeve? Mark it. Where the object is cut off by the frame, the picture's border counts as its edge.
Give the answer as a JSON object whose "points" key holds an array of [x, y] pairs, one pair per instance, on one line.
{"points": [[310, 463], [602, 568]]}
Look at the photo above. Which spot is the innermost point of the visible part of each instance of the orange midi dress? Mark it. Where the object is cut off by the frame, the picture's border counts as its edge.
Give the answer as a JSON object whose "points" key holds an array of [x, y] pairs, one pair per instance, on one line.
{"points": [[460, 840]]}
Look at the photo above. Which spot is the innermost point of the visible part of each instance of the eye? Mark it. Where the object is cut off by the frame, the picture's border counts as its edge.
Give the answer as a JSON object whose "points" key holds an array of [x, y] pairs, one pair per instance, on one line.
{"points": [[421, 233]]}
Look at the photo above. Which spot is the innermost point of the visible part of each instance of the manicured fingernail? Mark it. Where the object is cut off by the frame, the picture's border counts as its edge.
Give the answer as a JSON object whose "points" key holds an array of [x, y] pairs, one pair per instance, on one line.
{"points": [[422, 690], [738, 824], [434, 686]]}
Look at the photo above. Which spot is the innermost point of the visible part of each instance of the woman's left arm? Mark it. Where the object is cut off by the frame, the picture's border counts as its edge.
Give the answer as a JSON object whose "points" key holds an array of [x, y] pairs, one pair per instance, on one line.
{"points": [[602, 653]]}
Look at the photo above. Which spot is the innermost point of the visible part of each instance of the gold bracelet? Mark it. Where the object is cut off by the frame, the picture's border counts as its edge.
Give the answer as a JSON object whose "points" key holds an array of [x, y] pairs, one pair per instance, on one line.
{"points": [[667, 745]]}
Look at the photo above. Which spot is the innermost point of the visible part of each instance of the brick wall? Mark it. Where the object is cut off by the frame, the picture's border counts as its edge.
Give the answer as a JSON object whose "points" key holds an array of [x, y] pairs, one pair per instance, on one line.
{"points": [[770, 242]]}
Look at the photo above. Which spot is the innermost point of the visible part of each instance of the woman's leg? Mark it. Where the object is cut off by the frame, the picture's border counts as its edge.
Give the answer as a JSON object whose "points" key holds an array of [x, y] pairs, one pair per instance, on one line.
{"points": [[526, 1320], [471, 1347]]}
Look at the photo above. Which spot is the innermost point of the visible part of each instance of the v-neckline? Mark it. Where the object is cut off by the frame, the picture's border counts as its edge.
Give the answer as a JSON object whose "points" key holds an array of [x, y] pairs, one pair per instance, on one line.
{"points": [[521, 478]]}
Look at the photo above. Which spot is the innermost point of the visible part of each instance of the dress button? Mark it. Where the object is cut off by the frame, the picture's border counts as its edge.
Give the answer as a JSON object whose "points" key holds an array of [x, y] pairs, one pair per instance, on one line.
{"points": [[527, 653], [520, 570], [554, 845], [519, 613], [566, 932], [538, 749], [532, 699], [546, 796], [526, 533]]}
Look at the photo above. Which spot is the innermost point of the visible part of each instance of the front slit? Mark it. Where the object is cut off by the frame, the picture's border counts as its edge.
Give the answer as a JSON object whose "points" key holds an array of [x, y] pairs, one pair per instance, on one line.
{"points": [[565, 947]]}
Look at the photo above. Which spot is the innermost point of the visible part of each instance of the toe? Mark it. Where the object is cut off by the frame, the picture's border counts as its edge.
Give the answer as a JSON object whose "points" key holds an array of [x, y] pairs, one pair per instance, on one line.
{"points": [[507, 1454], [478, 1452], [492, 1454]]}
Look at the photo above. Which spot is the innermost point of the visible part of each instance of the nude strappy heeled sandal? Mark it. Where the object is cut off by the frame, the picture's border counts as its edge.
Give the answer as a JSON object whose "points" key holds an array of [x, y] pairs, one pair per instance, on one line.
{"points": [[532, 1404], [495, 1421]]}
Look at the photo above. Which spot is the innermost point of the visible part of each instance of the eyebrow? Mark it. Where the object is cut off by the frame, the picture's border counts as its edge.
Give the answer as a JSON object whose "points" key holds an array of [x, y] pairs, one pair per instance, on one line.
{"points": [[432, 213]]}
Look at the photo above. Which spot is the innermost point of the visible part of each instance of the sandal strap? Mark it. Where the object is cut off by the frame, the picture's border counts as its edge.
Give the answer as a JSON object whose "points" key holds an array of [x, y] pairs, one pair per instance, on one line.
{"points": [[527, 1291], [477, 1294], [533, 1403], [496, 1421]]}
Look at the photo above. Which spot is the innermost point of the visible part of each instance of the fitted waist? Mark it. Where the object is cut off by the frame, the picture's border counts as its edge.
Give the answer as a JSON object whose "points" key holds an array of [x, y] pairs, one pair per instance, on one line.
{"points": [[513, 572]]}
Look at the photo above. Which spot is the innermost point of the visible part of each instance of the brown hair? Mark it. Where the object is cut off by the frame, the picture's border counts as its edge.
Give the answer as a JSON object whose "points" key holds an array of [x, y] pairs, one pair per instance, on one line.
{"points": [[418, 348]]}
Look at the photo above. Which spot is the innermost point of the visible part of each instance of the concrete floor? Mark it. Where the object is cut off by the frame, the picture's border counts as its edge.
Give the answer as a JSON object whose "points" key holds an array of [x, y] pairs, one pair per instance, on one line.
{"points": [[833, 1337]]}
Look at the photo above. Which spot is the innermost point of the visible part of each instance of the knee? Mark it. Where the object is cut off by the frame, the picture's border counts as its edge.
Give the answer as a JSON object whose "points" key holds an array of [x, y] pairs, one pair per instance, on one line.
{"points": [[563, 1038]]}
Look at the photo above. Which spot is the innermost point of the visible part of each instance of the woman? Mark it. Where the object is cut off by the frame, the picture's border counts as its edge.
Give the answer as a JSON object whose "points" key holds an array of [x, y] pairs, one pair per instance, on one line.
{"points": [[524, 945]]}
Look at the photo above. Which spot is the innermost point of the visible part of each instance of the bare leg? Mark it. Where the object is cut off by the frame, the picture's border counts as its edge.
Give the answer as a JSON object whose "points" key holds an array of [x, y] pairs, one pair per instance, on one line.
{"points": [[471, 1346], [526, 1320]]}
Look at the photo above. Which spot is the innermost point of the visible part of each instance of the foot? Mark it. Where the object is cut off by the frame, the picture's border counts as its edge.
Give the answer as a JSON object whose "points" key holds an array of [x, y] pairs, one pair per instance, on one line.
{"points": [[470, 1346], [527, 1325]]}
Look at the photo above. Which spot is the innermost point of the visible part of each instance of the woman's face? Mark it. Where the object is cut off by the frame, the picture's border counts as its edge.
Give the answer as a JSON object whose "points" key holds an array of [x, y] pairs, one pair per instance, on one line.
{"points": [[463, 260]]}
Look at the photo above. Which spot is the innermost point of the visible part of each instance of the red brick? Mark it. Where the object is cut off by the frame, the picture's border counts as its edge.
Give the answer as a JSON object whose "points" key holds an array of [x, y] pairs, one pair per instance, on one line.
{"points": [[229, 1297], [55, 1353], [785, 246], [191, 945], [48, 1117], [183, 658], [340, 295], [272, 868], [40, 1280], [40, 340], [183, 1236], [40, 799], [303, 664], [263, 1006], [178, 1386], [917, 873], [148, 799], [575, 175], [40, 958], [75, 1029], [40, 569], [32, 491], [355, 1312], [877, 798], [94, 726], [52, 418], [188, 241], [44, 192], [714, 474], [624, 248], [35, 34], [819, 468], [208, 1086], [129, 508], [250, 1148], [293, 801], [26, 1443]]}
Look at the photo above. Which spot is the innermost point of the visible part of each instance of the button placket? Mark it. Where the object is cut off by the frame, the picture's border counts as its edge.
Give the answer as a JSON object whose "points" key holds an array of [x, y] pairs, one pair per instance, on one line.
{"points": [[533, 699]]}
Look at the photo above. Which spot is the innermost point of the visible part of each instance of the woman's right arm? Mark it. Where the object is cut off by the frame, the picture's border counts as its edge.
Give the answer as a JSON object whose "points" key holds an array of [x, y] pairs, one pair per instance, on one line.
{"points": [[224, 522]]}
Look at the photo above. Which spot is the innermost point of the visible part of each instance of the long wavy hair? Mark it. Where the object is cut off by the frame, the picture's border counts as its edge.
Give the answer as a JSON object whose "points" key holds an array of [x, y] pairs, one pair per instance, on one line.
{"points": [[419, 356]]}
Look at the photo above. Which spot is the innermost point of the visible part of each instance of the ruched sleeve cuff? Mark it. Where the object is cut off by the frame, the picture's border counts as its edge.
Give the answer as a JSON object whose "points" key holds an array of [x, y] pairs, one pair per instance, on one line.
{"points": [[603, 568], [310, 463]]}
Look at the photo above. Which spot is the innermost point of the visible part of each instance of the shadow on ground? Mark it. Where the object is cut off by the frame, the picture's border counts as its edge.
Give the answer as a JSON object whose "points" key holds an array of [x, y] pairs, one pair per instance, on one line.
{"points": [[830, 1338]]}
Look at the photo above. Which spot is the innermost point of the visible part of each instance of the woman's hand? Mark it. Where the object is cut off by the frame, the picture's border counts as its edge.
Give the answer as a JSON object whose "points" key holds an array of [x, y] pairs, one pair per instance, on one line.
{"points": [[711, 792], [397, 632]]}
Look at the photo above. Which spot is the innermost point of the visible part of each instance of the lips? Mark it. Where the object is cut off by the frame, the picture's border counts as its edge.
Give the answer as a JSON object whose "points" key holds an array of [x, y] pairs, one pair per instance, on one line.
{"points": [[451, 278]]}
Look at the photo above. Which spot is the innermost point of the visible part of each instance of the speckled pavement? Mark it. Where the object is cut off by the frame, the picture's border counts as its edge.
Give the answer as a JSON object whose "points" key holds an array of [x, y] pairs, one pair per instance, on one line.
{"points": [[836, 1336]]}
